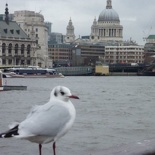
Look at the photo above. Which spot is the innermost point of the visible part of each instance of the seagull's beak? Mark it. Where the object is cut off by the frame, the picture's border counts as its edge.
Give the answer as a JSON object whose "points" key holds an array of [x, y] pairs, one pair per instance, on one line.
{"points": [[73, 96]]}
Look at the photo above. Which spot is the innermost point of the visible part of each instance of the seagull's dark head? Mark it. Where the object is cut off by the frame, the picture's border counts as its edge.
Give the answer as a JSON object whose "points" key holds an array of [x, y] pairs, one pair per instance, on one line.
{"points": [[62, 93]]}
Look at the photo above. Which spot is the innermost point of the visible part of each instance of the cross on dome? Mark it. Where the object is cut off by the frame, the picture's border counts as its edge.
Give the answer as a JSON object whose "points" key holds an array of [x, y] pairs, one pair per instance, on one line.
{"points": [[109, 4]]}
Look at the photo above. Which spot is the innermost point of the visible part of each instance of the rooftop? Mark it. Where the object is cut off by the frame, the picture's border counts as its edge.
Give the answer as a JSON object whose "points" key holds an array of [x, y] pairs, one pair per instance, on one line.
{"points": [[151, 37], [11, 30]]}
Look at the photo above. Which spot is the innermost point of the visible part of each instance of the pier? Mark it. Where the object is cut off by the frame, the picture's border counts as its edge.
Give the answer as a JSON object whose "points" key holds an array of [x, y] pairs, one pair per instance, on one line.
{"points": [[7, 87]]}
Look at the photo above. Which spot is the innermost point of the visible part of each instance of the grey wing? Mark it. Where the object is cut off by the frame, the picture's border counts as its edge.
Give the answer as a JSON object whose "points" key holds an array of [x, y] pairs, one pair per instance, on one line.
{"points": [[47, 122], [33, 110]]}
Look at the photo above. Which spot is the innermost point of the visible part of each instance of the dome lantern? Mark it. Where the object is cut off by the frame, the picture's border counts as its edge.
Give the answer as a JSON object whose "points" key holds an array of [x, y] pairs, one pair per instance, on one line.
{"points": [[109, 14], [109, 4]]}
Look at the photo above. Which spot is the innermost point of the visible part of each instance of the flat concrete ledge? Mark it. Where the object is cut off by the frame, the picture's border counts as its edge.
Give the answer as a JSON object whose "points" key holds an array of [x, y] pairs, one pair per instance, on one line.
{"points": [[6, 88], [146, 147]]}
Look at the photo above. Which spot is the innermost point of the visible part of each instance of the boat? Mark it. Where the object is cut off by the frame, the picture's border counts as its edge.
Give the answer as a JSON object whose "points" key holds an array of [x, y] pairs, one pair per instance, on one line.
{"points": [[148, 70], [12, 75], [31, 72]]}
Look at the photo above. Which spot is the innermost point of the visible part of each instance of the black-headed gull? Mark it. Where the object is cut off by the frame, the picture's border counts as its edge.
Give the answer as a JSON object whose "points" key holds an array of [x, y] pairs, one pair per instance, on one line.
{"points": [[46, 123]]}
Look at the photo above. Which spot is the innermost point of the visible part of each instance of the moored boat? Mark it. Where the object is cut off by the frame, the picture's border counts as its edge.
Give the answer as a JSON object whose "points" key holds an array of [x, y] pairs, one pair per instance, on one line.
{"points": [[31, 72], [12, 75]]}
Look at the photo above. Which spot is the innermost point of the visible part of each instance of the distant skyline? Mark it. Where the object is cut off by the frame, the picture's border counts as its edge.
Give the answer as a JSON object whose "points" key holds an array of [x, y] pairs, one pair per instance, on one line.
{"points": [[137, 17]]}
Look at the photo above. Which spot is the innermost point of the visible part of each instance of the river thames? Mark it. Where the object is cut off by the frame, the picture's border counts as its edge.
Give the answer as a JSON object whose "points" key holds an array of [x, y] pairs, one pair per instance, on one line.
{"points": [[112, 111]]}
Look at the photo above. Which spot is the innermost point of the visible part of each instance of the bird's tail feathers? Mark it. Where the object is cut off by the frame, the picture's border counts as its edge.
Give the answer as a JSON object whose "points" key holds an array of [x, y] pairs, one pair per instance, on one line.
{"points": [[10, 133]]}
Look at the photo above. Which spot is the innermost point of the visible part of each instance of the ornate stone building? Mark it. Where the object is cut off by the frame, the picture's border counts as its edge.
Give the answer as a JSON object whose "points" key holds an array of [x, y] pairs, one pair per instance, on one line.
{"points": [[107, 27], [16, 48], [70, 36], [33, 25], [108, 33]]}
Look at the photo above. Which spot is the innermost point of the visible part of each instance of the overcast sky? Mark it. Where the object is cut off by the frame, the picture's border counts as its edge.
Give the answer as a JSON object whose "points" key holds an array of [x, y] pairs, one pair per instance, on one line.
{"points": [[136, 16]]}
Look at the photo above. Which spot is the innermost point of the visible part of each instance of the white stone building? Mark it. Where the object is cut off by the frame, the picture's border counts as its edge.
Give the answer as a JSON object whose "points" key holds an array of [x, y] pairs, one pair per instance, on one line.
{"points": [[16, 48], [33, 25], [70, 36], [124, 54], [108, 26]]}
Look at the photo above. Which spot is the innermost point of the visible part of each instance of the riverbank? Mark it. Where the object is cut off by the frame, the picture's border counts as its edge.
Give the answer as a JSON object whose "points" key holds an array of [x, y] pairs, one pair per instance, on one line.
{"points": [[123, 74]]}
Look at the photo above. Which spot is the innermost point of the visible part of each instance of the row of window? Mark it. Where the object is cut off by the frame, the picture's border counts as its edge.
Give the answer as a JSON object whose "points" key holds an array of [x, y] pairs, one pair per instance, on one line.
{"points": [[60, 54], [63, 58], [126, 61], [28, 30], [121, 57], [67, 50], [128, 53], [15, 53], [17, 62], [16, 48], [36, 35], [124, 49]]}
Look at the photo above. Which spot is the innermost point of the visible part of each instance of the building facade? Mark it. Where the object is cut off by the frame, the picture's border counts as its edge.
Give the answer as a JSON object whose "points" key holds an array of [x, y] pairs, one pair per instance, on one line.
{"points": [[56, 38], [107, 53], [61, 54], [149, 49], [124, 54], [16, 48], [87, 54], [33, 25]]}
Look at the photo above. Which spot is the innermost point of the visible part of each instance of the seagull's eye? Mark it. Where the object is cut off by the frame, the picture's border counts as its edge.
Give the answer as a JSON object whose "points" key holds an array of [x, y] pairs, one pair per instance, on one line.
{"points": [[62, 93], [55, 93]]}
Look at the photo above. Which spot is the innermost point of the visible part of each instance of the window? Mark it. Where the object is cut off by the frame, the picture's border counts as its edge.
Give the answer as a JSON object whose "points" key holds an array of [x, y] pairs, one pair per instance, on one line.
{"points": [[28, 62], [10, 48], [3, 48], [22, 62], [28, 49], [3, 61], [16, 49], [36, 29], [10, 61], [22, 48]]}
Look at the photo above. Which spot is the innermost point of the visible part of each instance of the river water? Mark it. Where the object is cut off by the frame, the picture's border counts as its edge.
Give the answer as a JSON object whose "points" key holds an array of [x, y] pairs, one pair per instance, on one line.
{"points": [[112, 111]]}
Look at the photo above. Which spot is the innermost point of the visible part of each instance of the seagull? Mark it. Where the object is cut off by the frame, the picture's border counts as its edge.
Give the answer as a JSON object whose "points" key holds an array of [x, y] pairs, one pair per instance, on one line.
{"points": [[46, 123]]}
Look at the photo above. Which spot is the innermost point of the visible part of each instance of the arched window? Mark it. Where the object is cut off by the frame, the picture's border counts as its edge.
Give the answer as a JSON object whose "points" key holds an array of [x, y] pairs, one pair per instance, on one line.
{"points": [[16, 49], [3, 48], [10, 48], [28, 49], [22, 48]]}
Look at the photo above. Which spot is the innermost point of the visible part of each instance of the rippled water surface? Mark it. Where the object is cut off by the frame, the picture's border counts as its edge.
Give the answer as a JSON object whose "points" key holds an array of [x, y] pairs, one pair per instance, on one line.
{"points": [[111, 111]]}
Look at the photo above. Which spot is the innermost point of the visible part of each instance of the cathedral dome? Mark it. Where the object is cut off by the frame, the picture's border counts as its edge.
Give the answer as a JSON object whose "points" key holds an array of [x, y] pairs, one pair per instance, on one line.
{"points": [[109, 14]]}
